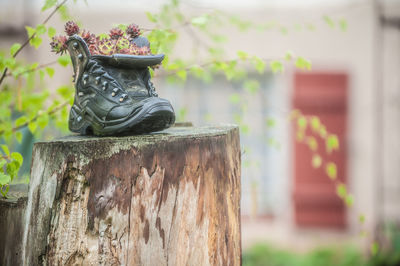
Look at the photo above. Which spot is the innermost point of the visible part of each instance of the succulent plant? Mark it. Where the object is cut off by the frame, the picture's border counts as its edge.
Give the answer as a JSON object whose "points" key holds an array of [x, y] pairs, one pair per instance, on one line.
{"points": [[105, 47], [59, 44], [88, 37], [116, 33], [71, 28], [117, 41], [133, 30]]}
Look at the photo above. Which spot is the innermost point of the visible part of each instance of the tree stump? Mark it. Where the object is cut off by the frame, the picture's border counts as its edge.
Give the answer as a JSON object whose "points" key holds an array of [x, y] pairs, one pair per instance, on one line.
{"points": [[169, 198], [12, 213]]}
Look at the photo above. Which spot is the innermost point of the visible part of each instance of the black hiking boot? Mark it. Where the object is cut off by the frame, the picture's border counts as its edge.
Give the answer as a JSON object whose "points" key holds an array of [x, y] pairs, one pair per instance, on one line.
{"points": [[114, 94]]}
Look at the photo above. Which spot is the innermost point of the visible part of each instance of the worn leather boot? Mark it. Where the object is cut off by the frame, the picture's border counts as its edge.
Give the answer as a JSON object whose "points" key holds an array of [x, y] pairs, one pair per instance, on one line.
{"points": [[114, 94]]}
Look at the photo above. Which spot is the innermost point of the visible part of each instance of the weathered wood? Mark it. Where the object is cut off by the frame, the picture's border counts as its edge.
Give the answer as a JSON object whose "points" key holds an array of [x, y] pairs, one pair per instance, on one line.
{"points": [[12, 212], [170, 198]]}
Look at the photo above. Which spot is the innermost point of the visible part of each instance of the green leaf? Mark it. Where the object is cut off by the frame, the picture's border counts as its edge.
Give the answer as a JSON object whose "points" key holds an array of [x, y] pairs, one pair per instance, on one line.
{"points": [[48, 4], [374, 248], [2, 163], [341, 190], [5, 149], [4, 179], [349, 200], [65, 91], [30, 31], [10, 62], [14, 48], [12, 169], [315, 123], [242, 55], [32, 127], [21, 120], [361, 218], [4, 192], [331, 143], [289, 55], [64, 60], [151, 17], [302, 122], [259, 64], [329, 21], [252, 86], [51, 32], [40, 29], [322, 132], [43, 120], [312, 143], [271, 122], [181, 116], [18, 136], [276, 66], [50, 71], [64, 13], [316, 161], [234, 98], [36, 42], [343, 24], [200, 21], [17, 157], [331, 170], [182, 74], [303, 63]]}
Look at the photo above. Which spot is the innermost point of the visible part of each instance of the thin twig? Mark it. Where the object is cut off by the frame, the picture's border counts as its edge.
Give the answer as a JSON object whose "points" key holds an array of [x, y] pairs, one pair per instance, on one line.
{"points": [[55, 110], [36, 68], [30, 38]]}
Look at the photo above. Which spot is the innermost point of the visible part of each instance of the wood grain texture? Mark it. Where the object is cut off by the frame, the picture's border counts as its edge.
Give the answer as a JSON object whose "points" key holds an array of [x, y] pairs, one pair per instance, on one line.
{"points": [[171, 198], [12, 212]]}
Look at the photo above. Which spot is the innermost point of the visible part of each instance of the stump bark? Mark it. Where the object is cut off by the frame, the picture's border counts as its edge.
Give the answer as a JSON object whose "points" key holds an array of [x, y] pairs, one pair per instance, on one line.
{"points": [[12, 213], [170, 198]]}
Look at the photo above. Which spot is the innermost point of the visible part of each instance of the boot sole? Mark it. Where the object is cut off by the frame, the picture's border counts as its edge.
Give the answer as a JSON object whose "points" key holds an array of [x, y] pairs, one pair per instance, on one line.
{"points": [[156, 114]]}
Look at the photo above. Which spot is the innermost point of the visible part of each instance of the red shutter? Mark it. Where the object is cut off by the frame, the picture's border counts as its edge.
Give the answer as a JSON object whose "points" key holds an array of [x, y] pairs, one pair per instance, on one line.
{"points": [[315, 201]]}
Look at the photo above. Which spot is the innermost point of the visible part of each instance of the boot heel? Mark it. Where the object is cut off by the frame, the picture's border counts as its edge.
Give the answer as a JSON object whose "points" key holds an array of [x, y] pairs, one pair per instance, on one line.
{"points": [[77, 124]]}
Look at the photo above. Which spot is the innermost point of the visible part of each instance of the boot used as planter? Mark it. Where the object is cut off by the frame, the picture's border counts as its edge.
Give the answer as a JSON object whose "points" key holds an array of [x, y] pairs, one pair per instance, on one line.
{"points": [[113, 92]]}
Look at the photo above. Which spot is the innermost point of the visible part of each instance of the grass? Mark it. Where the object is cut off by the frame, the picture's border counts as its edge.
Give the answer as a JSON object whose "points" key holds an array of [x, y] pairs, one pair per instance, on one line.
{"points": [[266, 255]]}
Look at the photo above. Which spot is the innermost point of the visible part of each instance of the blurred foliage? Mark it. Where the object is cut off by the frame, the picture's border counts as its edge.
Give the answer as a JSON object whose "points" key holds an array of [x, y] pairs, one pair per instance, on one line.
{"points": [[389, 255], [267, 255]]}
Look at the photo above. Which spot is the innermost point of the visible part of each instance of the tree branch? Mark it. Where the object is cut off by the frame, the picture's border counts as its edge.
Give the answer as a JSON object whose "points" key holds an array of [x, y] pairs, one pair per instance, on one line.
{"points": [[33, 69], [55, 110], [30, 38]]}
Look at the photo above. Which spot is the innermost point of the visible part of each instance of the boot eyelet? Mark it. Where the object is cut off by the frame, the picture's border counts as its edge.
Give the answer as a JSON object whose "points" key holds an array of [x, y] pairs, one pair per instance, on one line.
{"points": [[123, 97], [85, 78], [80, 57], [75, 45], [105, 84], [98, 80], [115, 90]]}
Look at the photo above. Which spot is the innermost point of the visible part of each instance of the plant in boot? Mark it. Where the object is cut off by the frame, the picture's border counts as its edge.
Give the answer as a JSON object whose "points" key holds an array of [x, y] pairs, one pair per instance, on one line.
{"points": [[114, 94], [105, 47], [88, 37], [116, 33], [71, 28], [133, 30], [59, 44]]}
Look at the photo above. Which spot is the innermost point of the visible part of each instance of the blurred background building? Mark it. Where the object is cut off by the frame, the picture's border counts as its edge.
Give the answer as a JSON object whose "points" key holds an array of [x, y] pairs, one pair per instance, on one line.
{"points": [[354, 87]]}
